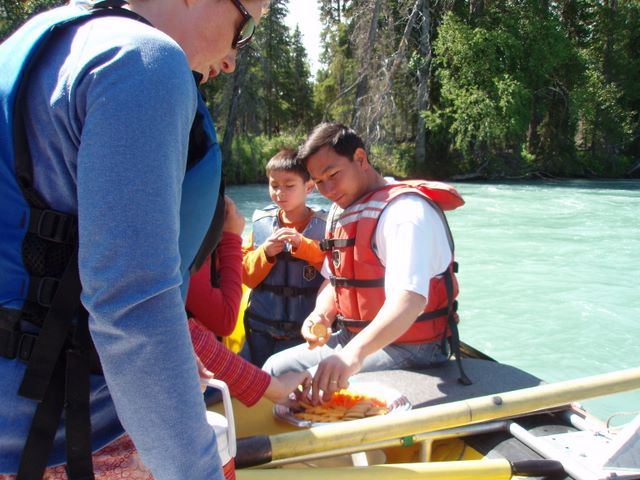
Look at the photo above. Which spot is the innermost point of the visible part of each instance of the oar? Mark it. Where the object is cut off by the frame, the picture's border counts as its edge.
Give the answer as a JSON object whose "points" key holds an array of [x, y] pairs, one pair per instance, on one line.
{"points": [[263, 449], [498, 469]]}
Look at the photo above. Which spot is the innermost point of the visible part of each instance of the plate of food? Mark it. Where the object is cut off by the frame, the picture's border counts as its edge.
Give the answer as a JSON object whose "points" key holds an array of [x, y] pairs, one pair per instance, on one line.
{"points": [[360, 400]]}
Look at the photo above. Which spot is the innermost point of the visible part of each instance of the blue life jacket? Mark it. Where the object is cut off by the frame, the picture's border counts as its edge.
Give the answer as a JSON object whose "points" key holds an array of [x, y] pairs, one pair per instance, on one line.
{"points": [[283, 300], [40, 284]]}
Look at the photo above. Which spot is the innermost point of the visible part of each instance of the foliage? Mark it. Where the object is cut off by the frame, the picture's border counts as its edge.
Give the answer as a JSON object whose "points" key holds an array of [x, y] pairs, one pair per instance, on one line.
{"points": [[253, 152], [506, 88], [14, 12]]}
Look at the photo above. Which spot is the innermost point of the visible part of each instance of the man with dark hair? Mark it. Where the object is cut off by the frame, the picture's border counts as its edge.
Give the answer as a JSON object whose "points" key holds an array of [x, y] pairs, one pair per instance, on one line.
{"points": [[389, 262]]}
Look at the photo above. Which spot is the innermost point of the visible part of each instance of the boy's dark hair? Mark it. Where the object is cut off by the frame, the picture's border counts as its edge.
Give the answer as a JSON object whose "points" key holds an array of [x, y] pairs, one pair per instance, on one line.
{"points": [[342, 139], [286, 160]]}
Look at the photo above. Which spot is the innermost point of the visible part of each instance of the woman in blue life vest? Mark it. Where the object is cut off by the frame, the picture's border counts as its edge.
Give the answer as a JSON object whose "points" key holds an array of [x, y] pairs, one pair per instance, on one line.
{"points": [[110, 174]]}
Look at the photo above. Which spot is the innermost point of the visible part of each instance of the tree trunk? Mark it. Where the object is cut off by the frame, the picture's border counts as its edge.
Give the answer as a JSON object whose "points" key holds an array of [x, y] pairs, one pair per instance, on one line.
{"points": [[363, 82], [476, 8], [232, 118], [423, 94], [398, 58]]}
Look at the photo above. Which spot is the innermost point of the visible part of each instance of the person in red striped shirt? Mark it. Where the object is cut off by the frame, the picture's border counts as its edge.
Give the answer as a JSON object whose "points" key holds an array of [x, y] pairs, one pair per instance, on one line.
{"points": [[213, 312]]}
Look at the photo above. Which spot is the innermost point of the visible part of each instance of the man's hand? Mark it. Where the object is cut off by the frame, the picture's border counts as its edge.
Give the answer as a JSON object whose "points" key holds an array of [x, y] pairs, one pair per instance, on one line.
{"points": [[316, 330], [333, 374]]}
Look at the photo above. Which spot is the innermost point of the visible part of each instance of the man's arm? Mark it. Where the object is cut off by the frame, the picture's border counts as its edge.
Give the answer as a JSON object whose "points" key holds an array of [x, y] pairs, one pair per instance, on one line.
{"points": [[394, 318], [412, 245]]}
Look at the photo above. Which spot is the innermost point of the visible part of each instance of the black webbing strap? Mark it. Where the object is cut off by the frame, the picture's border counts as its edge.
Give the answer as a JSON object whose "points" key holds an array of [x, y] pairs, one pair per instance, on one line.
{"points": [[349, 322], [68, 390], [287, 291], [350, 282], [289, 327], [53, 333], [331, 243], [57, 381], [43, 427], [77, 393], [454, 340], [441, 312]]}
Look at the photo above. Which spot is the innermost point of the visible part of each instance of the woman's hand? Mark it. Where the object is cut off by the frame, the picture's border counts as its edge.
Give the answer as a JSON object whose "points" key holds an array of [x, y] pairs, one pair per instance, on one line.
{"points": [[233, 219], [204, 374], [281, 387]]}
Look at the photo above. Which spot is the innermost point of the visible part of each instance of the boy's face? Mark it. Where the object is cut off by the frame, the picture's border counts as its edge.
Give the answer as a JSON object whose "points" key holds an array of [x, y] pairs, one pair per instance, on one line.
{"points": [[288, 190], [339, 178]]}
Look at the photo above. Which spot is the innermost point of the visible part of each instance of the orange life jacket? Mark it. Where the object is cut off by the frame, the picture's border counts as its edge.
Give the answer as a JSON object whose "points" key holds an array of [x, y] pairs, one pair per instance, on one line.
{"points": [[358, 274]]}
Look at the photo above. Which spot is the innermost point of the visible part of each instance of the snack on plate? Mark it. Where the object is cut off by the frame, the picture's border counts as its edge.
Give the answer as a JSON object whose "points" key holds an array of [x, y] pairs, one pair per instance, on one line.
{"points": [[343, 406]]}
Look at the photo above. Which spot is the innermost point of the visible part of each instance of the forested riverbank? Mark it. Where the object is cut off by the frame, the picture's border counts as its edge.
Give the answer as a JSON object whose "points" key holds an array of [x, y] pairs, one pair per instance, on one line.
{"points": [[452, 89]]}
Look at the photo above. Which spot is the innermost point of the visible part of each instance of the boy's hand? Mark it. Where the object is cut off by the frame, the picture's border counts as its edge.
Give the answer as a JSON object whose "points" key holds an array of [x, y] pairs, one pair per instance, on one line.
{"points": [[290, 235], [273, 245], [233, 219]]}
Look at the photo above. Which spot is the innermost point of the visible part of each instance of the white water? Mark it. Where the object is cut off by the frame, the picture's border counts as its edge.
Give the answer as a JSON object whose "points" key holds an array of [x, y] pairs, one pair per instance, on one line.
{"points": [[549, 276]]}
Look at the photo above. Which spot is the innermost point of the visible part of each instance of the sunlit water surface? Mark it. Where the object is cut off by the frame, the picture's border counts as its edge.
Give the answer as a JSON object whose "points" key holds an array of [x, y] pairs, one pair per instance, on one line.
{"points": [[549, 276]]}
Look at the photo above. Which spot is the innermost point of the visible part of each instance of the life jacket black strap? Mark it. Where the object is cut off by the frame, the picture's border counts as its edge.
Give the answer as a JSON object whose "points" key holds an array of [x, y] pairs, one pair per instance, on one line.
{"points": [[77, 404], [289, 327], [331, 243], [287, 291], [53, 334], [43, 427], [13, 342], [350, 282], [437, 313], [454, 339], [426, 316], [68, 390]]}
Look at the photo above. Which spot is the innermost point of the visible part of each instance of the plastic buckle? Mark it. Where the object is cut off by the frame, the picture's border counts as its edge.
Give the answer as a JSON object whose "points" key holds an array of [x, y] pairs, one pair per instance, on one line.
{"points": [[9, 340], [47, 288], [25, 346], [54, 226]]}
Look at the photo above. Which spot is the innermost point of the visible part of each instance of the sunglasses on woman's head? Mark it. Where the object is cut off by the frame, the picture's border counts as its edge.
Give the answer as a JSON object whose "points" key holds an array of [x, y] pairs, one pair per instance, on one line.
{"points": [[246, 29]]}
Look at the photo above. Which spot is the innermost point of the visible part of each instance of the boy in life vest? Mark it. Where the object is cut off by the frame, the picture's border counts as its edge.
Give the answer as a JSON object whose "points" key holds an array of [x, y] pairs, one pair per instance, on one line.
{"points": [[389, 262], [282, 261]]}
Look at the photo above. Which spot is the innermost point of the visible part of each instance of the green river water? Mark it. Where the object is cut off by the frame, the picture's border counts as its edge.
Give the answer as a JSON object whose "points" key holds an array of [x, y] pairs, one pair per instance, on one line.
{"points": [[549, 276]]}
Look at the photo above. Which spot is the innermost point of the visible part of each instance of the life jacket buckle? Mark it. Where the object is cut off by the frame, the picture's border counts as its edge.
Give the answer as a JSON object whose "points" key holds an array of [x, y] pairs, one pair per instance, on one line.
{"points": [[16, 344], [25, 346], [55, 226], [47, 287]]}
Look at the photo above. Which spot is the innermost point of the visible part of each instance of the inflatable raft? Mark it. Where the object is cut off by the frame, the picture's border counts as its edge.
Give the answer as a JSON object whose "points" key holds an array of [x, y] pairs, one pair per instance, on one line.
{"points": [[507, 424]]}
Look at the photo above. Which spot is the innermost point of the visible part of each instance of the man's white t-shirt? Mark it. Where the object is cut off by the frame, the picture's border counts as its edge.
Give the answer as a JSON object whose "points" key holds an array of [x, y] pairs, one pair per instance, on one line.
{"points": [[411, 242]]}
